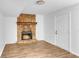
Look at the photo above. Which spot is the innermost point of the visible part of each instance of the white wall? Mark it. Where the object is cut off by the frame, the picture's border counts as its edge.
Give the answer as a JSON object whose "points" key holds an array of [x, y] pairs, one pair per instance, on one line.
{"points": [[75, 30], [49, 28], [73, 13], [10, 30], [2, 42], [39, 27]]}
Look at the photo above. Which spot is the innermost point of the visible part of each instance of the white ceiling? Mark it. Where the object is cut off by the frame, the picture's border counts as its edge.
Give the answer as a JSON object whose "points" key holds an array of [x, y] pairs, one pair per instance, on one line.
{"points": [[15, 7]]}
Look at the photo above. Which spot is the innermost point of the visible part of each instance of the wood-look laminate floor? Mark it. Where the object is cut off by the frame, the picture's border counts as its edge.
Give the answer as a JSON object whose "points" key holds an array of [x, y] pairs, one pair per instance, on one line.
{"points": [[41, 49]]}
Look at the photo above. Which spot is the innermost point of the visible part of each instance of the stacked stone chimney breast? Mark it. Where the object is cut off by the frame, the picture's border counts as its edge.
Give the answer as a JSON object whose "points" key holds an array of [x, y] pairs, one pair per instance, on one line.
{"points": [[26, 23]]}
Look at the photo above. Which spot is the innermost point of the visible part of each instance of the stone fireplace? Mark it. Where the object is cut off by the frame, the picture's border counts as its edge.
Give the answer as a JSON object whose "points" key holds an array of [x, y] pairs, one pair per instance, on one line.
{"points": [[26, 28]]}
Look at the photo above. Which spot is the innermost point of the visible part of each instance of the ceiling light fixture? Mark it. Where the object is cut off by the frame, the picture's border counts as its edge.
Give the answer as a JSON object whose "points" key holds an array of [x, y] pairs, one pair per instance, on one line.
{"points": [[40, 2]]}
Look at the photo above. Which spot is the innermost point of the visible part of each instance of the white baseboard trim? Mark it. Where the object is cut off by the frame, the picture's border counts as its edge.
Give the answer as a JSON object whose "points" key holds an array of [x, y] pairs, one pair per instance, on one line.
{"points": [[74, 53], [50, 42], [62, 48], [1, 50]]}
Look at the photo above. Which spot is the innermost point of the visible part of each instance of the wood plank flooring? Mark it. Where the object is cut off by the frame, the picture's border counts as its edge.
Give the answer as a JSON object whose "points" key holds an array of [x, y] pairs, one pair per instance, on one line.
{"points": [[41, 49]]}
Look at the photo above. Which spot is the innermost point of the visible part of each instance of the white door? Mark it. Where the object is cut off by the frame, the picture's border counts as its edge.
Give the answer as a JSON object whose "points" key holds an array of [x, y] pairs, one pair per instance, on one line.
{"points": [[62, 31]]}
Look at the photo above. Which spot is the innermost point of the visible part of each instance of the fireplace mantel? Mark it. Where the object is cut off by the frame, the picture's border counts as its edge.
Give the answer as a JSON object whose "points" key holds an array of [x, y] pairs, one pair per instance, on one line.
{"points": [[32, 23]]}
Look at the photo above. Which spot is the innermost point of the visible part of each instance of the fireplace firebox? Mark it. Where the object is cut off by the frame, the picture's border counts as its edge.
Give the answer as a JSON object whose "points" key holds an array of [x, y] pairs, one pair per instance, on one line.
{"points": [[26, 35]]}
